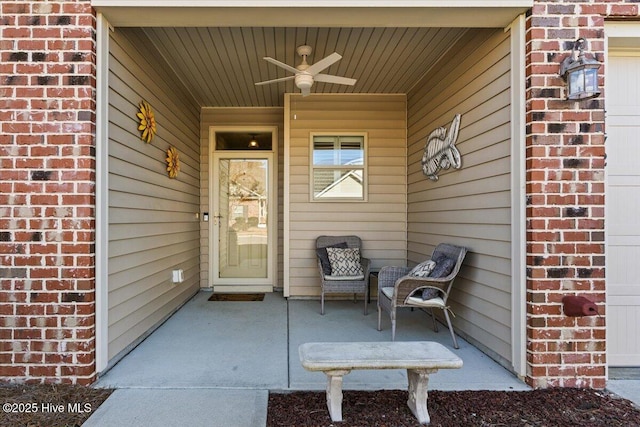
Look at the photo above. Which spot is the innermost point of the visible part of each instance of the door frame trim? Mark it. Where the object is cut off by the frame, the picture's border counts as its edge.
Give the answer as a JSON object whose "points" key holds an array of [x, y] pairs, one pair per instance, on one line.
{"points": [[248, 285]]}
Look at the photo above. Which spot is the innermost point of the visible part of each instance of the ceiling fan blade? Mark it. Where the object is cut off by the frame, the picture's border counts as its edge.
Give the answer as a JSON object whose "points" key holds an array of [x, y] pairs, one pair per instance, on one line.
{"points": [[281, 64], [324, 63], [306, 91], [282, 79], [328, 78]]}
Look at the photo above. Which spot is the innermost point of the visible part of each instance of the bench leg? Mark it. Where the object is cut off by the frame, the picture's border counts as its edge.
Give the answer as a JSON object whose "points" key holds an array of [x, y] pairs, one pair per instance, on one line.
{"points": [[417, 402], [334, 393]]}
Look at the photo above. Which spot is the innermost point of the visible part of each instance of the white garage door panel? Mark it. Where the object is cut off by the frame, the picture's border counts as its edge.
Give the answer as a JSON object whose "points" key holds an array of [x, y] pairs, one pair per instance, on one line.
{"points": [[624, 300], [623, 210], [627, 347], [625, 85], [622, 155], [624, 180], [619, 268]]}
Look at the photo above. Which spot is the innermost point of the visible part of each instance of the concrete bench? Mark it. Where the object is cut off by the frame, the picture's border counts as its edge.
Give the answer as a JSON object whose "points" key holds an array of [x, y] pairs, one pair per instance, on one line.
{"points": [[337, 359]]}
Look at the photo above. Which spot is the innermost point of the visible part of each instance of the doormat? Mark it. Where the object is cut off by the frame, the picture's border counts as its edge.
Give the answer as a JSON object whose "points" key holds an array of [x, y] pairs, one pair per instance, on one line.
{"points": [[236, 297]]}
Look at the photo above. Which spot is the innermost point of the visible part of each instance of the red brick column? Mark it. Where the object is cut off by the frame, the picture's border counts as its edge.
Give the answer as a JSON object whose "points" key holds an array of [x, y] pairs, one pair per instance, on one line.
{"points": [[47, 191], [565, 197]]}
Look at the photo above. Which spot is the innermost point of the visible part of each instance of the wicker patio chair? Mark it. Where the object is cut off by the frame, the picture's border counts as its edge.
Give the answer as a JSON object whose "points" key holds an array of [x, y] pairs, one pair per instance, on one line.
{"points": [[330, 285], [397, 289]]}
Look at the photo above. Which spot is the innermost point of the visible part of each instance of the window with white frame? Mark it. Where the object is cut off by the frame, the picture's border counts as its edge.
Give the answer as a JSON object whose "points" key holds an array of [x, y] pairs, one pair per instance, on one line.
{"points": [[338, 167]]}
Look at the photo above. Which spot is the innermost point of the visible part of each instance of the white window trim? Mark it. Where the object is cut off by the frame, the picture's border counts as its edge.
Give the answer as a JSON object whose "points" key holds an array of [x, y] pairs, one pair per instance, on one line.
{"points": [[365, 177]]}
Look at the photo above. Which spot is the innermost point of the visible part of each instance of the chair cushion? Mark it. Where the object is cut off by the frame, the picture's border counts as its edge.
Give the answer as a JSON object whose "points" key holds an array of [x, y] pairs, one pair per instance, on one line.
{"points": [[443, 267], [345, 262], [360, 277], [436, 302], [423, 269], [387, 292], [324, 257]]}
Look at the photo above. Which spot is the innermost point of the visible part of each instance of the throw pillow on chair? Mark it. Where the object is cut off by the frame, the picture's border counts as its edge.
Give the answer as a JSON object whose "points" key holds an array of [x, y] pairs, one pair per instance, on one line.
{"points": [[345, 262]]}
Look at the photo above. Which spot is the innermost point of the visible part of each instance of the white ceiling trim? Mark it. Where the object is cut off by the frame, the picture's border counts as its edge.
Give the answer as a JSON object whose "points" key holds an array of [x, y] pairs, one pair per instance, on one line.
{"points": [[316, 3], [306, 13]]}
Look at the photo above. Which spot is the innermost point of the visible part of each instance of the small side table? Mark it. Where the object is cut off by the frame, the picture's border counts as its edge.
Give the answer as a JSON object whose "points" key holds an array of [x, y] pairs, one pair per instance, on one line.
{"points": [[373, 284]]}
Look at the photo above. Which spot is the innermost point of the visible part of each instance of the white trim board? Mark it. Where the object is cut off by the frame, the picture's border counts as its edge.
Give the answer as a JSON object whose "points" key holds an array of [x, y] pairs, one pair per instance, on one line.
{"points": [[518, 195], [102, 194], [308, 13]]}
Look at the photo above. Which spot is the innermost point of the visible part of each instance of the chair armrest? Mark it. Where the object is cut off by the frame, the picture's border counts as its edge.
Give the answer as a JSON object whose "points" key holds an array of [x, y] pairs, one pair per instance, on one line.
{"points": [[320, 267], [388, 275], [366, 266], [407, 285]]}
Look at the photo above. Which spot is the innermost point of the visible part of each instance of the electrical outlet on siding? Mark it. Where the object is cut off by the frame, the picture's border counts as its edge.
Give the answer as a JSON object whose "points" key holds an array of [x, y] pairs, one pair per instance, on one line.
{"points": [[177, 276]]}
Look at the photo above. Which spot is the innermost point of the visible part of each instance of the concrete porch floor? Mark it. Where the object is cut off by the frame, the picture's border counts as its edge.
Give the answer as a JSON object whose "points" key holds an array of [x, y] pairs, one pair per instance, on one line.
{"points": [[213, 363], [254, 345]]}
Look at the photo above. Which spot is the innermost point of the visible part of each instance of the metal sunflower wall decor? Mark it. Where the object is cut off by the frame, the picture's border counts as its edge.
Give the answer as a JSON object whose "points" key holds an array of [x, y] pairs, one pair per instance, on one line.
{"points": [[440, 151], [173, 162], [147, 122]]}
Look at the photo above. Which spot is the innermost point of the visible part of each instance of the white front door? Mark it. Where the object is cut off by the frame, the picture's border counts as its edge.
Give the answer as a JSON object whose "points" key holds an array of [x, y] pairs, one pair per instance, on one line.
{"points": [[242, 221], [623, 208]]}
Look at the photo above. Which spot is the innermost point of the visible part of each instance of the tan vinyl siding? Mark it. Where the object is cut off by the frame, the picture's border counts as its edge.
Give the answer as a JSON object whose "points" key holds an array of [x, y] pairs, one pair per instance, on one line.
{"points": [[240, 117], [381, 220], [469, 206], [152, 224]]}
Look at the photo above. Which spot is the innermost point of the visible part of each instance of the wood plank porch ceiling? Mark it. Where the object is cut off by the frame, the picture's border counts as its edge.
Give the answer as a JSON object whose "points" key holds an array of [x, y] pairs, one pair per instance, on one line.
{"points": [[219, 65]]}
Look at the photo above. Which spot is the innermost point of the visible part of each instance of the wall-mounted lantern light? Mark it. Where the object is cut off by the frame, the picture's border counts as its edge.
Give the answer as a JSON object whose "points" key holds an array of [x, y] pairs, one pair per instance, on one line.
{"points": [[580, 73]]}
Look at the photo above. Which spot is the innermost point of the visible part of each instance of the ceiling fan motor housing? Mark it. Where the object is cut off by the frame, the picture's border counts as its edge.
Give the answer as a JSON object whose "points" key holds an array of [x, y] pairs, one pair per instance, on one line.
{"points": [[304, 81]]}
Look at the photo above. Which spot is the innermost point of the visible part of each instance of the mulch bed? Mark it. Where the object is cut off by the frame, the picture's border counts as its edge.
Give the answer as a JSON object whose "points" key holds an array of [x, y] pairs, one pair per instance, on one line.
{"points": [[388, 408], [48, 405], [69, 406]]}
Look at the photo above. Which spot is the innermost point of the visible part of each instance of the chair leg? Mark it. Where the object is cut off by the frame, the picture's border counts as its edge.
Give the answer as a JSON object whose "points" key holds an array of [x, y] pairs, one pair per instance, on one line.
{"points": [[379, 318], [453, 336], [366, 302], [435, 322], [393, 329], [322, 302]]}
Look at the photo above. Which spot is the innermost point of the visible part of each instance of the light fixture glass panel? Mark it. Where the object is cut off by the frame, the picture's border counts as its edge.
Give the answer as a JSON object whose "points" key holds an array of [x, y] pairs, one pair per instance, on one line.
{"points": [[576, 82], [591, 80]]}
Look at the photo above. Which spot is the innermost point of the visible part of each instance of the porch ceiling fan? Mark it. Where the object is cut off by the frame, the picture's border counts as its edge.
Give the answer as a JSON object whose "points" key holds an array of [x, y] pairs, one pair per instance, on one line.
{"points": [[305, 74]]}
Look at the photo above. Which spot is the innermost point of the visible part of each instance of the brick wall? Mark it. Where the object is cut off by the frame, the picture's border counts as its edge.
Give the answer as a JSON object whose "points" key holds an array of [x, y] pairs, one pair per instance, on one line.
{"points": [[47, 177], [565, 205]]}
